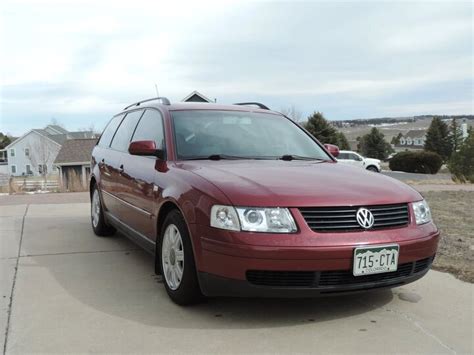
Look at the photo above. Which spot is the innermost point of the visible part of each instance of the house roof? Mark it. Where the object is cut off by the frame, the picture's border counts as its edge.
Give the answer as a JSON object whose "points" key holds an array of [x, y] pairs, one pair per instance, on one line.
{"points": [[55, 129], [52, 132], [196, 94], [76, 151], [415, 133]]}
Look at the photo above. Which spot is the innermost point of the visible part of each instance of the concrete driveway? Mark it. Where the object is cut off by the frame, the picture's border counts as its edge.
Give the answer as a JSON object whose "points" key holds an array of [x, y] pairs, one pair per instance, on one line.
{"points": [[74, 292]]}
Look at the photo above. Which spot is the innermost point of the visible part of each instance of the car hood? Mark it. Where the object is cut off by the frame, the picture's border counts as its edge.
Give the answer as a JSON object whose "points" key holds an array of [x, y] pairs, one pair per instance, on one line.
{"points": [[299, 183], [372, 160]]}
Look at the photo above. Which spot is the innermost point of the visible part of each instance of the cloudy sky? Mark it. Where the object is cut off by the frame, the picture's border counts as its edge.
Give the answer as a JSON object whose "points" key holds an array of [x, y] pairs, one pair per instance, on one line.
{"points": [[81, 61]]}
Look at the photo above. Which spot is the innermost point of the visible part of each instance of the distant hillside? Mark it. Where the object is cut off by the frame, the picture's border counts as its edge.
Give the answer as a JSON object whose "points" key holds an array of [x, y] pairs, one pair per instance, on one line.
{"points": [[393, 120], [389, 126]]}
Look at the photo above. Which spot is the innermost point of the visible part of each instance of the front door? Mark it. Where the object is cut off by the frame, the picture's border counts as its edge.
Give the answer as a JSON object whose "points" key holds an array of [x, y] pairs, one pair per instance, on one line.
{"points": [[141, 177]]}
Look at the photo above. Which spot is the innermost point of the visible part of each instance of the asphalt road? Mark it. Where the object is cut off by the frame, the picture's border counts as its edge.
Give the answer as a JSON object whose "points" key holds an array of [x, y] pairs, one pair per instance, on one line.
{"points": [[400, 175], [64, 290]]}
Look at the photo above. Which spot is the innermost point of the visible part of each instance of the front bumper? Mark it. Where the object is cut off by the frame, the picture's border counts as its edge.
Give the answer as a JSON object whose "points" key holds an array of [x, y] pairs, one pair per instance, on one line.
{"points": [[224, 266], [323, 284]]}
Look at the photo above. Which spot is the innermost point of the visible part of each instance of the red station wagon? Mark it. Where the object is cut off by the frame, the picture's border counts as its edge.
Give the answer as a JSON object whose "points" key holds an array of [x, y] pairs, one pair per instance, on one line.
{"points": [[239, 200]]}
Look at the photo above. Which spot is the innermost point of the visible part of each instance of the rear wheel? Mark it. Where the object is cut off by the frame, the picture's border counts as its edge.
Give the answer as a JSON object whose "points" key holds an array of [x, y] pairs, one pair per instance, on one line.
{"points": [[177, 261], [99, 225], [373, 168]]}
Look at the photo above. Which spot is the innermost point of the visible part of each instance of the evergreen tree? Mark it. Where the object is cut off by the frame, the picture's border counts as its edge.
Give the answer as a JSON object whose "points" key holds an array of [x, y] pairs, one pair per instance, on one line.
{"points": [[461, 163], [374, 145], [437, 138], [4, 140], [342, 142], [455, 135], [396, 139], [320, 128]]}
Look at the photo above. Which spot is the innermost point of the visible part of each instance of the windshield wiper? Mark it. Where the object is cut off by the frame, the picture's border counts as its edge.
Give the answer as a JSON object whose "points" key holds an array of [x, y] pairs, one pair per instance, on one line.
{"points": [[219, 157], [288, 157]]}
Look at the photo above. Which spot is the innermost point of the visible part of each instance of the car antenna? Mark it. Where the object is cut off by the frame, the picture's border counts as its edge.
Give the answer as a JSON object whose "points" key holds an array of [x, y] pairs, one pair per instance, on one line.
{"points": [[156, 88]]}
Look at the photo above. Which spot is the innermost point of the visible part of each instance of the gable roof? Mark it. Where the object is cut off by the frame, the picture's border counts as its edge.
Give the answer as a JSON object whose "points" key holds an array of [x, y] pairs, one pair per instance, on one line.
{"points": [[76, 151], [196, 95], [415, 133], [55, 129], [58, 138]]}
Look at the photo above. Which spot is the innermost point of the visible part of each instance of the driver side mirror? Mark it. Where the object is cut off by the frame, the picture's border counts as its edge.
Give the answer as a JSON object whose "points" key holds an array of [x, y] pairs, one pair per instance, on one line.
{"points": [[146, 148], [333, 149]]}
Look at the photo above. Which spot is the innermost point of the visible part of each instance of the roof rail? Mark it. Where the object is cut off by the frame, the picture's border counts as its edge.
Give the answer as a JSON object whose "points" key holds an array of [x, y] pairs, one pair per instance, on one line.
{"points": [[262, 106], [163, 99]]}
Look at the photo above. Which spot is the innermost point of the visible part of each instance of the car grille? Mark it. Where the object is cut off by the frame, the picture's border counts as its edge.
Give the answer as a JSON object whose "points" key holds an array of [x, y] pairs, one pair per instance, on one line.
{"points": [[343, 219], [322, 279]]}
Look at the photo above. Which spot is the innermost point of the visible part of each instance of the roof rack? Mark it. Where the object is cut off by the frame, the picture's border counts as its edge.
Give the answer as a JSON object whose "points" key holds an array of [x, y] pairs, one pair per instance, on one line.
{"points": [[163, 99], [262, 106]]}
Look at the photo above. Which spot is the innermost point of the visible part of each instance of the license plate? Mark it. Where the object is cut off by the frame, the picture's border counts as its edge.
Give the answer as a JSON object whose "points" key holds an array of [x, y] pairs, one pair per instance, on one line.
{"points": [[375, 260]]}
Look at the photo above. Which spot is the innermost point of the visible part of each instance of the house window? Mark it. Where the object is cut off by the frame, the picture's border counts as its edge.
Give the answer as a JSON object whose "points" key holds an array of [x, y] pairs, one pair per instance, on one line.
{"points": [[13, 169], [27, 152], [28, 170], [42, 169], [12, 152]]}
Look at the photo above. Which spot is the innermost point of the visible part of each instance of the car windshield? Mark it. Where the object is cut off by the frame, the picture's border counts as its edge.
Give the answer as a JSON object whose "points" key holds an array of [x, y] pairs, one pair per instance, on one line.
{"points": [[202, 134]]}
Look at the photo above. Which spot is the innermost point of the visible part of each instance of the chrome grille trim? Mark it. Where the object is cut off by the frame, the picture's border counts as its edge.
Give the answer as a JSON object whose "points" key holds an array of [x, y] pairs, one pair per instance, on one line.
{"points": [[343, 219]]}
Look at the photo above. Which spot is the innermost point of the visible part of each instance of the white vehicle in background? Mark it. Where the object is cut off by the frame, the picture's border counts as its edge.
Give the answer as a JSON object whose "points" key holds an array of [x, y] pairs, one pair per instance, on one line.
{"points": [[353, 158]]}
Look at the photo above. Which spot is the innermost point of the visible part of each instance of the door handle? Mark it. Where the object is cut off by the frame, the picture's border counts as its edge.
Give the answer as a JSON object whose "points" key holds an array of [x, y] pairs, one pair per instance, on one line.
{"points": [[121, 169]]}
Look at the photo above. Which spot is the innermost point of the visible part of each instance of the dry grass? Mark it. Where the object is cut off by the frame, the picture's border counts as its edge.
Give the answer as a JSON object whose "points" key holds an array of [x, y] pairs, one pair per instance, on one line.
{"points": [[453, 213]]}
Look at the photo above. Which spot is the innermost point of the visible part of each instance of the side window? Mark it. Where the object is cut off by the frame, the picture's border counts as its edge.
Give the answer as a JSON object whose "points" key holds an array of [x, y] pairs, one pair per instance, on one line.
{"points": [[150, 128], [109, 131], [124, 133], [342, 156]]}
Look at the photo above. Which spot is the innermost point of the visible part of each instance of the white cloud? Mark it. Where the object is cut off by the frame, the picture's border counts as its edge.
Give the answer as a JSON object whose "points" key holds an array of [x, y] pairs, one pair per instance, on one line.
{"points": [[352, 59]]}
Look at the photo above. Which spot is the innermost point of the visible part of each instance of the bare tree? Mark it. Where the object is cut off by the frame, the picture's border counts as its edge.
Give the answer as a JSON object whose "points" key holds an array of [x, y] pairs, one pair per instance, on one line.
{"points": [[39, 155], [293, 113], [54, 121]]}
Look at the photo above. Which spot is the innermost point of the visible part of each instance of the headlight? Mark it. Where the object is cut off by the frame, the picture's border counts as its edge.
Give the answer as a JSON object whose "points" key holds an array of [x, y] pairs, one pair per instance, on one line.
{"points": [[422, 212], [224, 217], [253, 219]]}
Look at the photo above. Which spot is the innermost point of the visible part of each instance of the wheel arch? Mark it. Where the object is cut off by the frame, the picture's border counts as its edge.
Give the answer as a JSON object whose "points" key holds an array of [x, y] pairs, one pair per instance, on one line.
{"points": [[165, 209]]}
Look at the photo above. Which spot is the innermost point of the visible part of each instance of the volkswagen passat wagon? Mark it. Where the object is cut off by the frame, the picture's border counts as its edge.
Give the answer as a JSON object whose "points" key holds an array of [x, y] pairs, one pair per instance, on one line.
{"points": [[239, 200]]}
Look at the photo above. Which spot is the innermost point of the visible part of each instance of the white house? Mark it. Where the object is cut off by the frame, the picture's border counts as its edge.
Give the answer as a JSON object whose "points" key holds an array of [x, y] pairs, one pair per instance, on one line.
{"points": [[196, 96], [414, 139], [34, 152]]}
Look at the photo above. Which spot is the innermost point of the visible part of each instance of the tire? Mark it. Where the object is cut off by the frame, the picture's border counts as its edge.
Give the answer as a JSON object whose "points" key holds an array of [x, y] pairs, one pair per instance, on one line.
{"points": [[99, 225], [176, 259], [372, 168]]}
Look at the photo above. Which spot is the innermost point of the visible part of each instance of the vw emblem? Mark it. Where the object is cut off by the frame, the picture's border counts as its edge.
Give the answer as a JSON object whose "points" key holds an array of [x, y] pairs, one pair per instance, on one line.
{"points": [[365, 218]]}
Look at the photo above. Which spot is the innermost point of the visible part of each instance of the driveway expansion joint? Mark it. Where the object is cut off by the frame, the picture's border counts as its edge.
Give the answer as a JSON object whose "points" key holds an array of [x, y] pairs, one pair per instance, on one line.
{"points": [[12, 293], [81, 252], [417, 324]]}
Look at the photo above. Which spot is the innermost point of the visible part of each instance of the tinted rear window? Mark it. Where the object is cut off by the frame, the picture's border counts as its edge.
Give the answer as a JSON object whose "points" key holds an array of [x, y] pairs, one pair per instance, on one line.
{"points": [[109, 131]]}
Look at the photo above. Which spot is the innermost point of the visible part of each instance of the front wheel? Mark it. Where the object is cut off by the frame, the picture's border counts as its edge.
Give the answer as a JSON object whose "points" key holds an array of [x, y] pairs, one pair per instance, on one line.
{"points": [[177, 261], [373, 168]]}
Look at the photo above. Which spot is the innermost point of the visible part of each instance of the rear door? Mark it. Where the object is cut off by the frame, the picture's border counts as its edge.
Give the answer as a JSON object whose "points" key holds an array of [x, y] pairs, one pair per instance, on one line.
{"points": [[140, 174], [119, 147], [107, 162]]}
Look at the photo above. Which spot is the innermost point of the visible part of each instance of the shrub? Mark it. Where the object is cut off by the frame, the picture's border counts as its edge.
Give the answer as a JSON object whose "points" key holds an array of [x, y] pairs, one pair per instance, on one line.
{"points": [[461, 164], [416, 162]]}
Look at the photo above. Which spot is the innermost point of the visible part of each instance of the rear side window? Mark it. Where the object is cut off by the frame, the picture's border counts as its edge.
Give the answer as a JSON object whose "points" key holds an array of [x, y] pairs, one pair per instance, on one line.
{"points": [[150, 128], [124, 133], [109, 131]]}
